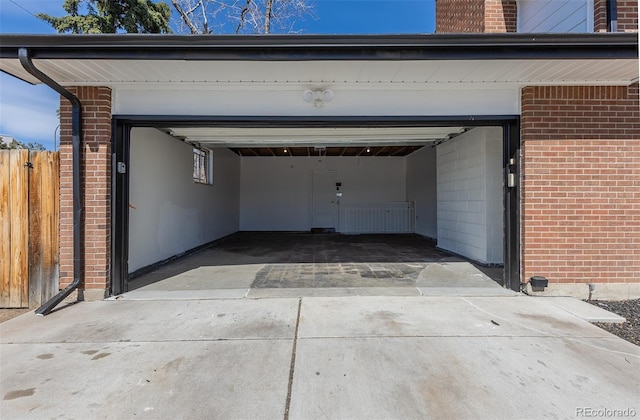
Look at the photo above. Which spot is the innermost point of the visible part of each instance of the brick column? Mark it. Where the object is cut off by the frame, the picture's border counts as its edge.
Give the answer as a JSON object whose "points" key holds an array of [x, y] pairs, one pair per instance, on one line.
{"points": [[599, 15], [581, 185], [476, 16], [500, 16], [460, 16], [627, 16], [96, 169]]}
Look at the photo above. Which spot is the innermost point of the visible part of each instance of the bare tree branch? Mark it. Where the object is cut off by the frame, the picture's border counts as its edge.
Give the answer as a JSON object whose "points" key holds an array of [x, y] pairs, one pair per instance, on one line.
{"points": [[267, 16], [205, 22], [243, 15], [185, 17]]}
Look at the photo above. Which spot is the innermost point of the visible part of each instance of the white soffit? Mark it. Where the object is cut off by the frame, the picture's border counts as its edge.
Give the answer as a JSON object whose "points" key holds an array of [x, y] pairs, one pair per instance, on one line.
{"points": [[300, 136], [358, 73]]}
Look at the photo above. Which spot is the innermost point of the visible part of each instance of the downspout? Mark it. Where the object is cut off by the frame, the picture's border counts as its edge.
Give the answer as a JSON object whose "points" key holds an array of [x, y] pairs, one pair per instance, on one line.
{"points": [[612, 16], [78, 209]]}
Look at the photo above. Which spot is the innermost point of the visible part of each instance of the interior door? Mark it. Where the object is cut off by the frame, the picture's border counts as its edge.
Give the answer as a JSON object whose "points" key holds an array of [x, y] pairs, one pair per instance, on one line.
{"points": [[324, 200]]}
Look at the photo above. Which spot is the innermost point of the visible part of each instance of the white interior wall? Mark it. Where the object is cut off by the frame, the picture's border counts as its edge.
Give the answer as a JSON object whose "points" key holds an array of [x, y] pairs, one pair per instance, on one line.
{"points": [[171, 214], [421, 189], [470, 195], [275, 193]]}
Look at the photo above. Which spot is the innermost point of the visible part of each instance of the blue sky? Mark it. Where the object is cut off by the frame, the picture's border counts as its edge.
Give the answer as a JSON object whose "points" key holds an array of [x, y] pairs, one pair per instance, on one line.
{"points": [[28, 112]]}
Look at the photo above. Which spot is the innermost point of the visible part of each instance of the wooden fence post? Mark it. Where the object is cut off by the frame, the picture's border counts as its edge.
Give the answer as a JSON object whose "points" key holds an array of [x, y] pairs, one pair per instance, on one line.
{"points": [[19, 208], [5, 230], [43, 227]]}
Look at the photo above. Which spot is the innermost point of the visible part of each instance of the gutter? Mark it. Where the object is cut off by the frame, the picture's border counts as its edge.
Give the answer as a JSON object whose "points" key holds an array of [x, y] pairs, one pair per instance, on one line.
{"points": [[24, 55], [324, 47]]}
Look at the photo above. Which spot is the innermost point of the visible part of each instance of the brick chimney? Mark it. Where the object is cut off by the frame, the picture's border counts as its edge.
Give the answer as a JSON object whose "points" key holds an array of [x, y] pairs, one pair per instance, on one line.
{"points": [[476, 16]]}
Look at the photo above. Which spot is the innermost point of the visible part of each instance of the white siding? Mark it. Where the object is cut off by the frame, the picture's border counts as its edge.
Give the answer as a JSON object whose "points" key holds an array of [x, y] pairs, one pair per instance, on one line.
{"points": [[561, 16], [470, 195], [276, 191], [171, 214], [421, 189]]}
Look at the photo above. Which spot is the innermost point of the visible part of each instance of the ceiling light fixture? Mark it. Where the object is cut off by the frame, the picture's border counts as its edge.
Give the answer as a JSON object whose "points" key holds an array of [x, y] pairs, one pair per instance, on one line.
{"points": [[317, 97]]}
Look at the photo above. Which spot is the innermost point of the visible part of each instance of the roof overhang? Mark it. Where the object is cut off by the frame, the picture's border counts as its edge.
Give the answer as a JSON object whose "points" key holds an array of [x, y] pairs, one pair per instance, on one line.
{"points": [[323, 47], [520, 59], [256, 68]]}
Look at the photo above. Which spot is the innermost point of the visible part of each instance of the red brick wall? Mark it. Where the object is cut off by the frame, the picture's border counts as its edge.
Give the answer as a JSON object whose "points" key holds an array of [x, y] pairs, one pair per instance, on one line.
{"points": [[96, 122], [476, 16], [581, 183], [460, 16], [627, 16], [500, 16], [599, 15]]}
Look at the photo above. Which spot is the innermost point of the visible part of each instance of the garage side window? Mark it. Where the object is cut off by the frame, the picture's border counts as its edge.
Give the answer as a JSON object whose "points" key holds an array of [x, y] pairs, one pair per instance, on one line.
{"points": [[202, 170]]}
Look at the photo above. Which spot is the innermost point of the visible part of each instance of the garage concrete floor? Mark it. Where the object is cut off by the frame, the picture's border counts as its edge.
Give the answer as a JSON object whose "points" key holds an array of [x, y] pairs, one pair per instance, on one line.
{"points": [[268, 264]]}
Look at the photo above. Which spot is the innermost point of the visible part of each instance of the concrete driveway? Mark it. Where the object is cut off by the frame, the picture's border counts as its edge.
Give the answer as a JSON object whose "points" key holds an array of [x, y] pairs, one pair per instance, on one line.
{"points": [[374, 357]]}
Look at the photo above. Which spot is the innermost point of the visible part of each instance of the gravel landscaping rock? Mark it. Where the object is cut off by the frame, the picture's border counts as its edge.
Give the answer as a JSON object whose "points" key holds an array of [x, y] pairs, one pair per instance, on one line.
{"points": [[630, 310]]}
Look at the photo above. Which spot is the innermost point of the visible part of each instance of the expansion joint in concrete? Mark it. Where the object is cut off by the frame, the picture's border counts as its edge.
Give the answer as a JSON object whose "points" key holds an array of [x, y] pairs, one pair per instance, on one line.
{"points": [[293, 362]]}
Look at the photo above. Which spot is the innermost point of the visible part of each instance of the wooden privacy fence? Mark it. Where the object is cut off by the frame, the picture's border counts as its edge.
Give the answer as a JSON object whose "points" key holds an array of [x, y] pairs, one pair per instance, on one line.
{"points": [[29, 218]]}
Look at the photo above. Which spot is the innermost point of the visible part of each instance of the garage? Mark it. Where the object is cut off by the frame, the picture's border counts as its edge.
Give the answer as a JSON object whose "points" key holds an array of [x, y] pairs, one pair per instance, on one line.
{"points": [[400, 132], [566, 105], [351, 207], [350, 143]]}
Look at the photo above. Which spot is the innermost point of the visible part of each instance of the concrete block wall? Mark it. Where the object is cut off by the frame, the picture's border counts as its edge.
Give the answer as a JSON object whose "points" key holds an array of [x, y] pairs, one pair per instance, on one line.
{"points": [[494, 194], [96, 167], [469, 178], [580, 186]]}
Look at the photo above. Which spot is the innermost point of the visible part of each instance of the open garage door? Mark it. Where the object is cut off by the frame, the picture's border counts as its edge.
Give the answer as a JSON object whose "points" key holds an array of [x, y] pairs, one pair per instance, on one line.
{"points": [[343, 179], [443, 182]]}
